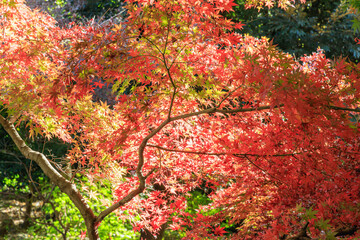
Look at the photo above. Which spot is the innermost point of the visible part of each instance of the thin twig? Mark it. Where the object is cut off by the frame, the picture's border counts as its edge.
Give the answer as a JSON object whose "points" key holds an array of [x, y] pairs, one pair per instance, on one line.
{"points": [[223, 153], [266, 172]]}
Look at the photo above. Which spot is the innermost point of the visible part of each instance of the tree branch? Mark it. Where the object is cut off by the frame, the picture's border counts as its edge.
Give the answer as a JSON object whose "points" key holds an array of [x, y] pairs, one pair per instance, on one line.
{"points": [[302, 235], [216, 110], [346, 231], [345, 109], [64, 185], [222, 153], [124, 200]]}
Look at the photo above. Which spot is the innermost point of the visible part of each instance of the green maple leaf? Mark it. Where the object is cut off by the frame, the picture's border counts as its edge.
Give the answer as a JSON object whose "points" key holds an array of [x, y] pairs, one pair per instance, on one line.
{"points": [[323, 224], [330, 235], [310, 213], [356, 25]]}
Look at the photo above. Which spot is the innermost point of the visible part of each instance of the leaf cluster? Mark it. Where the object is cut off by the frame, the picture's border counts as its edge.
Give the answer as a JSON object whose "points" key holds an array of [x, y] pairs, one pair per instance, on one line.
{"points": [[302, 28]]}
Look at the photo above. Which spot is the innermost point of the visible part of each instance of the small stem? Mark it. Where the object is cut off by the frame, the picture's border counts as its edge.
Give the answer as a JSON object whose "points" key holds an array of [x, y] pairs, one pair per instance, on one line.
{"points": [[223, 153]]}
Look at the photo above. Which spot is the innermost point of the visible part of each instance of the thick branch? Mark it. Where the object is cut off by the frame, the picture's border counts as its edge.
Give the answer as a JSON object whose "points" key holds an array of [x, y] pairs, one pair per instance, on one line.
{"points": [[64, 185]]}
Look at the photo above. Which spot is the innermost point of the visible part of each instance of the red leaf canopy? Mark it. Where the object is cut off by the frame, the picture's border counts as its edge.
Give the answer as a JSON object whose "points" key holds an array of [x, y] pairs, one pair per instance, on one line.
{"points": [[276, 139]]}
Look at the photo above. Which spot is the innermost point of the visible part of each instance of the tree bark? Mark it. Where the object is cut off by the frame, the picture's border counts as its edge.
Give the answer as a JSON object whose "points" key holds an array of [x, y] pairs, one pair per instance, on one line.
{"points": [[147, 235], [28, 208], [302, 235], [65, 186]]}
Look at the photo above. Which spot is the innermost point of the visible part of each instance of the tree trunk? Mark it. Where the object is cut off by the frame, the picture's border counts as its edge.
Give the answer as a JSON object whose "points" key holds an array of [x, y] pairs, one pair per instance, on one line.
{"points": [[147, 235], [28, 208]]}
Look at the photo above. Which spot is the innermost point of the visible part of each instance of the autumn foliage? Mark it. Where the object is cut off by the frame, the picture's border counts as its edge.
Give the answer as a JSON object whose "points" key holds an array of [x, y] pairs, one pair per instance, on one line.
{"points": [[197, 106]]}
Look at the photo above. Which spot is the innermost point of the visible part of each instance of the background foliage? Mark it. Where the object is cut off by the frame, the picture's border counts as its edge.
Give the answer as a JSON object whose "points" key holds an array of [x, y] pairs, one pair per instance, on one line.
{"points": [[302, 28]]}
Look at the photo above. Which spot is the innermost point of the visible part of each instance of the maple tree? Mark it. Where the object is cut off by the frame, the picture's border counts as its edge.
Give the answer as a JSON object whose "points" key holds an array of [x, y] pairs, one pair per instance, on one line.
{"points": [[274, 138]]}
